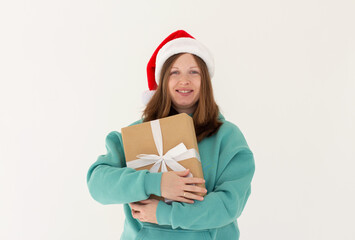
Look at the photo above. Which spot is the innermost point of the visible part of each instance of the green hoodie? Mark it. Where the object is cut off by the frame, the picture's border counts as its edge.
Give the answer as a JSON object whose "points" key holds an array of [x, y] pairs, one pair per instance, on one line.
{"points": [[228, 168]]}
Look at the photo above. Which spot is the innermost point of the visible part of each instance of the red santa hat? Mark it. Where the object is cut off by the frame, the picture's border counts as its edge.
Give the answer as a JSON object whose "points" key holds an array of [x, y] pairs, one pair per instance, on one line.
{"points": [[177, 42]]}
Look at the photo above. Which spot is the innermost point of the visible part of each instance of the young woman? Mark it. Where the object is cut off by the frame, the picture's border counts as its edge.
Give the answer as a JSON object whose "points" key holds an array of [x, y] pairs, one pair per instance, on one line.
{"points": [[179, 79]]}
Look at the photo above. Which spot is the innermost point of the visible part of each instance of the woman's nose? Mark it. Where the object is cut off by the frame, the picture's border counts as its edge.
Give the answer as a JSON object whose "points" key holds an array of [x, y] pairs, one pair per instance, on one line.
{"points": [[184, 80]]}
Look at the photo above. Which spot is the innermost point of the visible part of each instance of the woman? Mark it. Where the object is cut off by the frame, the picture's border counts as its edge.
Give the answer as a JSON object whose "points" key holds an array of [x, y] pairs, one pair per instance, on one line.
{"points": [[179, 79]]}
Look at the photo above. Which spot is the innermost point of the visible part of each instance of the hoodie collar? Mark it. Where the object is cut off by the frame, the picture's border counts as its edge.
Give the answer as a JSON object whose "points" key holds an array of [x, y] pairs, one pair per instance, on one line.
{"points": [[220, 116]]}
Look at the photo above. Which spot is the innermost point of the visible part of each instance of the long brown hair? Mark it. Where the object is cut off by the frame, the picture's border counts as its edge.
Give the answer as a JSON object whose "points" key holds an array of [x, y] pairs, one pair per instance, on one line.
{"points": [[205, 117]]}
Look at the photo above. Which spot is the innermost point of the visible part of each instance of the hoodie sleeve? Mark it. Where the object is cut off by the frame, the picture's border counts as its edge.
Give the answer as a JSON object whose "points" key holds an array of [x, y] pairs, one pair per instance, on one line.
{"points": [[111, 182], [221, 206]]}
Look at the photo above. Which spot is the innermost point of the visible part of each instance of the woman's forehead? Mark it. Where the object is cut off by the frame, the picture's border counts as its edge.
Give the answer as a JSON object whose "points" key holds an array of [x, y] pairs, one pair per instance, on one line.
{"points": [[189, 67], [185, 59]]}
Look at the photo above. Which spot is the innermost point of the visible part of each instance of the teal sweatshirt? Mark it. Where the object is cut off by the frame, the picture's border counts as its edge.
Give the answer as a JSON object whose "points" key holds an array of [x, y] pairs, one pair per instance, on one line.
{"points": [[228, 168]]}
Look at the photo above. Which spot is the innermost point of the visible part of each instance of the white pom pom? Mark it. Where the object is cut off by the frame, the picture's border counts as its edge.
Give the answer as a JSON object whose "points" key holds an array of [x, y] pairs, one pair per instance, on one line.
{"points": [[147, 95]]}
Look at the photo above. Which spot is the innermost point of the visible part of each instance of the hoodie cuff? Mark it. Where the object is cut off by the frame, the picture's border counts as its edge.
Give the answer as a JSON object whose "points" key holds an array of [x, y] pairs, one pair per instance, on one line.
{"points": [[152, 183], [163, 213]]}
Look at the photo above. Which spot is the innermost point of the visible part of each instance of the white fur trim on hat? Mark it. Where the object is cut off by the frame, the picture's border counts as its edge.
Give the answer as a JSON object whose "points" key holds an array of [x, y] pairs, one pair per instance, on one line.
{"points": [[180, 45]]}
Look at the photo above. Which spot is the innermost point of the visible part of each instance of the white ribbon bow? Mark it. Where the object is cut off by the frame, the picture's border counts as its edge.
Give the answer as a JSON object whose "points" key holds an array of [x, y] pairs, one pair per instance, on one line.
{"points": [[171, 158]]}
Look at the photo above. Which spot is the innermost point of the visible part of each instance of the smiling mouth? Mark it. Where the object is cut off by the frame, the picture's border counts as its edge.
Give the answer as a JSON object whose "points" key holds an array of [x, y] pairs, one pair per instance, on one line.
{"points": [[184, 91]]}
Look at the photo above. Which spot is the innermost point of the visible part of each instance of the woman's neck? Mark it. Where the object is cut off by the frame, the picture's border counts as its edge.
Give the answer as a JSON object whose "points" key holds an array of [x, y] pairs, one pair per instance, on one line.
{"points": [[173, 111], [187, 111]]}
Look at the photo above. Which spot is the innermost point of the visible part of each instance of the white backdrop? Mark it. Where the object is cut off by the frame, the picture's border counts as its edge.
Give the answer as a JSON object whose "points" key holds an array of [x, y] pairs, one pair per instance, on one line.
{"points": [[72, 71]]}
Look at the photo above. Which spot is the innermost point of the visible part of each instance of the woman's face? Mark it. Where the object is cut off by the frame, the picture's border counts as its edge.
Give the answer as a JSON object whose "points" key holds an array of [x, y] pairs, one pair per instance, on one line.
{"points": [[184, 83]]}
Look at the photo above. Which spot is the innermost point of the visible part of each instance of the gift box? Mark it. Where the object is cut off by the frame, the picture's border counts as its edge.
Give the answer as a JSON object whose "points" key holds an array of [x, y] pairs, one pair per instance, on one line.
{"points": [[166, 144]]}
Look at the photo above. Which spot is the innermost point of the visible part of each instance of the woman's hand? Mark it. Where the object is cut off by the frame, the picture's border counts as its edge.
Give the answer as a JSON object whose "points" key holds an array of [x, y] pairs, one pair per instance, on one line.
{"points": [[145, 210], [174, 185]]}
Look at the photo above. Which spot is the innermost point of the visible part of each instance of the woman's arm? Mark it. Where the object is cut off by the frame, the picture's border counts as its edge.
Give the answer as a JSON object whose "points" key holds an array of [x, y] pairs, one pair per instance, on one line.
{"points": [[110, 181], [219, 207]]}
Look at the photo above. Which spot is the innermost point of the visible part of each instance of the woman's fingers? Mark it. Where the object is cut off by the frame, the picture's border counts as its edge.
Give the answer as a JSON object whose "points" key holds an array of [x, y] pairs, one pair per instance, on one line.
{"points": [[193, 196], [172, 184], [135, 214], [182, 199], [182, 173], [191, 188], [135, 206], [192, 180]]}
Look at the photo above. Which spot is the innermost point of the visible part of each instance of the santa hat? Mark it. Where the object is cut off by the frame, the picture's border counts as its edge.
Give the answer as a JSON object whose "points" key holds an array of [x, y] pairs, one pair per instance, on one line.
{"points": [[177, 42]]}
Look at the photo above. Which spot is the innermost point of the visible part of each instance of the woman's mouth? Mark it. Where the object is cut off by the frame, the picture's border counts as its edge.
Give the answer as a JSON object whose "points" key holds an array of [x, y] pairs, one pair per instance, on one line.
{"points": [[184, 92]]}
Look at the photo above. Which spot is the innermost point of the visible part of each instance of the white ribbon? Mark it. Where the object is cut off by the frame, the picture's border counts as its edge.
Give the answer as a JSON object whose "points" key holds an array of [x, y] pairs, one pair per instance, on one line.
{"points": [[170, 158]]}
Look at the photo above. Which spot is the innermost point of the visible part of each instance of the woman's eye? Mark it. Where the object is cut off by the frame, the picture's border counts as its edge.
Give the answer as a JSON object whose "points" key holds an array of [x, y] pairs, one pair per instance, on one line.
{"points": [[174, 72], [195, 72]]}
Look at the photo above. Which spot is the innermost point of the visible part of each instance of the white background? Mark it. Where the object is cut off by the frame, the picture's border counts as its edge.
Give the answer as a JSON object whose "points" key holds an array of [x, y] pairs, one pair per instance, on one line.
{"points": [[72, 71]]}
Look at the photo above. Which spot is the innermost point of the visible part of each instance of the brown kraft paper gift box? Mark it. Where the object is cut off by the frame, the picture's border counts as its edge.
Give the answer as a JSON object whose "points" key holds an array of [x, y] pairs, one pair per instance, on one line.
{"points": [[176, 129]]}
